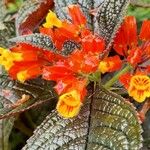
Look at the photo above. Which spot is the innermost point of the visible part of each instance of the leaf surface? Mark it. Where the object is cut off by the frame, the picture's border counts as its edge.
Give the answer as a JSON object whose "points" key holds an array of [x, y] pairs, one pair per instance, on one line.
{"points": [[31, 14], [7, 31], [11, 91], [105, 122], [109, 17]]}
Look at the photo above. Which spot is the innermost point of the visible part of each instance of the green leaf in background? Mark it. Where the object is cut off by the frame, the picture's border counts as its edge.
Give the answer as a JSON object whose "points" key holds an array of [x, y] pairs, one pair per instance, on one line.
{"points": [[140, 13], [13, 7], [106, 121]]}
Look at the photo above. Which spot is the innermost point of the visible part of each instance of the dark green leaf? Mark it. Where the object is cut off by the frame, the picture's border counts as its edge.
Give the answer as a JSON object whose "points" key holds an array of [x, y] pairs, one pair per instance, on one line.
{"points": [[5, 130], [105, 122]]}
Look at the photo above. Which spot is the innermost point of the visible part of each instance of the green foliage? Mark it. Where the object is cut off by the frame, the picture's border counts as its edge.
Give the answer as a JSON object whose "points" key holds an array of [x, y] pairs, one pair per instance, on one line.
{"points": [[13, 7], [139, 12]]}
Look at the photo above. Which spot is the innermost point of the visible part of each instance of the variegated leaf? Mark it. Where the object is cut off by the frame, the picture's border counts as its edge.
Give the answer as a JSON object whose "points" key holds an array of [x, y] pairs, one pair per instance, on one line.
{"points": [[109, 17], [105, 122], [37, 40], [11, 91], [31, 14], [68, 47], [6, 126], [7, 31]]}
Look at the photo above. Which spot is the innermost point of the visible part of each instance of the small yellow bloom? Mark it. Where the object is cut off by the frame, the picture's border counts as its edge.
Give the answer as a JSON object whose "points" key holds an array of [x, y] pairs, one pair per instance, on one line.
{"points": [[69, 104], [22, 76], [7, 58], [139, 87], [52, 20], [105, 66]]}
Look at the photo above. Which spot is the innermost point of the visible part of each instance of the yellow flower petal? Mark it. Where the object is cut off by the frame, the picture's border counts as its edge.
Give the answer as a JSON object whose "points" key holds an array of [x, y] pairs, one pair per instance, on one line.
{"points": [[139, 87], [104, 66], [52, 20], [69, 104], [7, 58], [22, 76]]}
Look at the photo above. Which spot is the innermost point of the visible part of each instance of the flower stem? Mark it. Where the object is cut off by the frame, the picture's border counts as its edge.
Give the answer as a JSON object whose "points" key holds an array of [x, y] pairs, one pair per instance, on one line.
{"points": [[108, 84]]}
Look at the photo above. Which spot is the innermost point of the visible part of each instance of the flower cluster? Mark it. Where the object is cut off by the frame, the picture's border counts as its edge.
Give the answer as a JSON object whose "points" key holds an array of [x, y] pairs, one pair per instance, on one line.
{"points": [[72, 73], [137, 81]]}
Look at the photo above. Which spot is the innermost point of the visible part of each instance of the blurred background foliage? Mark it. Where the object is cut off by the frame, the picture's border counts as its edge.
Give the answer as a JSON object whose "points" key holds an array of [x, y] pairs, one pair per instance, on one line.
{"points": [[141, 13]]}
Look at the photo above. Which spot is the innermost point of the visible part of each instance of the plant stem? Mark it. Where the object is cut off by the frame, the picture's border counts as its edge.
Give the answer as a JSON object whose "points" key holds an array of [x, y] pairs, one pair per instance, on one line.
{"points": [[116, 77]]}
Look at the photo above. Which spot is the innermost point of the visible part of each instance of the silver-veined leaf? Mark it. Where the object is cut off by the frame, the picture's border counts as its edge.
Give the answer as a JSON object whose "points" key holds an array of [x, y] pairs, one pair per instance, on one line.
{"points": [[11, 91], [44, 42], [7, 31], [105, 122], [109, 17]]}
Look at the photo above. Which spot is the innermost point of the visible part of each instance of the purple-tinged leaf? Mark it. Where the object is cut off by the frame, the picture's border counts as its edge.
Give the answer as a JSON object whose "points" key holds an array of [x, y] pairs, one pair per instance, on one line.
{"points": [[31, 14]]}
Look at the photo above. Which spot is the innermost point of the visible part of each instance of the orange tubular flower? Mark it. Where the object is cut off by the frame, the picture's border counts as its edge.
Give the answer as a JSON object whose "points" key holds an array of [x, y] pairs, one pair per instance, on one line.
{"points": [[127, 36], [56, 72], [80, 62], [70, 102], [7, 58], [139, 87], [65, 30], [28, 66], [126, 41], [110, 64], [23, 71]]}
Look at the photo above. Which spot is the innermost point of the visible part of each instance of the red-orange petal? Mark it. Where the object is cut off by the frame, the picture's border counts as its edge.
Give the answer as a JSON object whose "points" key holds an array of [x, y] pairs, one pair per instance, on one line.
{"points": [[125, 79], [126, 37], [135, 56], [130, 27], [77, 16], [145, 31], [92, 43], [56, 72]]}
